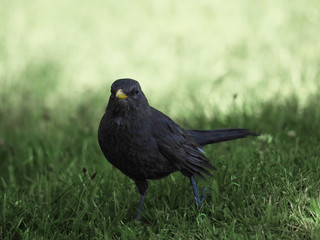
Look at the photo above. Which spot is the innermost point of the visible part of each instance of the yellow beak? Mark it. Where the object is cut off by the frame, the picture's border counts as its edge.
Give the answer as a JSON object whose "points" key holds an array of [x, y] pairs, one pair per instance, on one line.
{"points": [[120, 94]]}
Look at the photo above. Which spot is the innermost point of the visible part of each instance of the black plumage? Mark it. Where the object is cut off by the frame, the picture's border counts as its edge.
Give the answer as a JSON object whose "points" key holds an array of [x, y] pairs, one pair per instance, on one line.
{"points": [[143, 143]]}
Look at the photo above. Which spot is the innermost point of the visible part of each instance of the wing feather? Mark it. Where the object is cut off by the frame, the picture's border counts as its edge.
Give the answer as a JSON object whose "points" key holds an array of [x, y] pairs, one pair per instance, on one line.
{"points": [[179, 147]]}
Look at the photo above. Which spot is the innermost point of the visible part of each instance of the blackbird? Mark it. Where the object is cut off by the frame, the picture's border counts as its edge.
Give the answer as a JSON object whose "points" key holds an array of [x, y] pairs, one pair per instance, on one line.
{"points": [[143, 143]]}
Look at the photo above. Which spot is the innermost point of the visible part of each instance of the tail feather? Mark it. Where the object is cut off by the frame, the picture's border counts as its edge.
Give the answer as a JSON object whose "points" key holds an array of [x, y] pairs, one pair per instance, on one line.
{"points": [[204, 137]]}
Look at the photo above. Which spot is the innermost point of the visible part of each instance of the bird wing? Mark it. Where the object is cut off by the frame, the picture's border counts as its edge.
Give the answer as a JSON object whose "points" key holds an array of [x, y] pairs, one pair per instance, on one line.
{"points": [[177, 145]]}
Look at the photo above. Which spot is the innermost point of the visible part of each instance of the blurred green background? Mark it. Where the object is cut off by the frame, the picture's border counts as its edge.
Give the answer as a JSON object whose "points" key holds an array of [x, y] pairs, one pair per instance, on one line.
{"points": [[207, 64], [259, 51]]}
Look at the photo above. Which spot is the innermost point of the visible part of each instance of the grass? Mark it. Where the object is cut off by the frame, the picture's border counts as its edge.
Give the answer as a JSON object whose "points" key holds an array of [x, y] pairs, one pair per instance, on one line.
{"points": [[210, 65], [57, 185]]}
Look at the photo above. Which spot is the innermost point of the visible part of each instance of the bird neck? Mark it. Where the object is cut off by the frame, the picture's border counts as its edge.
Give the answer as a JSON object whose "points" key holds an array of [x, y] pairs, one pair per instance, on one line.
{"points": [[128, 117]]}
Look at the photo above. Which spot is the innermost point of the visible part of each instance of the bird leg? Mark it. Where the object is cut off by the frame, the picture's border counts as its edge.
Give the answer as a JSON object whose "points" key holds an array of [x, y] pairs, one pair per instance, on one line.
{"points": [[142, 186], [195, 191], [140, 206]]}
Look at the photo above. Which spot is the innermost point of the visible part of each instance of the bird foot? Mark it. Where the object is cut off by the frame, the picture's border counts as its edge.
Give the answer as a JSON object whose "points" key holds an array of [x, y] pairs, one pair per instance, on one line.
{"points": [[199, 200], [203, 194]]}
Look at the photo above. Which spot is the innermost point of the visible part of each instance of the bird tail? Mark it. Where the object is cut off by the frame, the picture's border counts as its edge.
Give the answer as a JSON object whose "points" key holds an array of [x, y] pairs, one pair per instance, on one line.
{"points": [[204, 137]]}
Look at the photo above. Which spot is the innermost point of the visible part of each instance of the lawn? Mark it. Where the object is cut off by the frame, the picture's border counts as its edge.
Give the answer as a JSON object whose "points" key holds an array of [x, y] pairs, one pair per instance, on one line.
{"points": [[207, 65]]}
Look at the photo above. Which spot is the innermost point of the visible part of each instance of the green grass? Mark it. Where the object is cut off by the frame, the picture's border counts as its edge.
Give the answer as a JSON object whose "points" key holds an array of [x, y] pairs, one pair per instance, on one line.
{"points": [[207, 65], [265, 188]]}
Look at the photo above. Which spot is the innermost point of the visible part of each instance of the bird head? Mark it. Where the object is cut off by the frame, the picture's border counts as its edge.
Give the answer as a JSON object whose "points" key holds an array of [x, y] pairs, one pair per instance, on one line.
{"points": [[127, 98]]}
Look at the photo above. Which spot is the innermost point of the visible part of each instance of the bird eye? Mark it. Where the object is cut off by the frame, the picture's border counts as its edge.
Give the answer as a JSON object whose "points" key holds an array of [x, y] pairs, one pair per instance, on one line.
{"points": [[136, 92]]}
